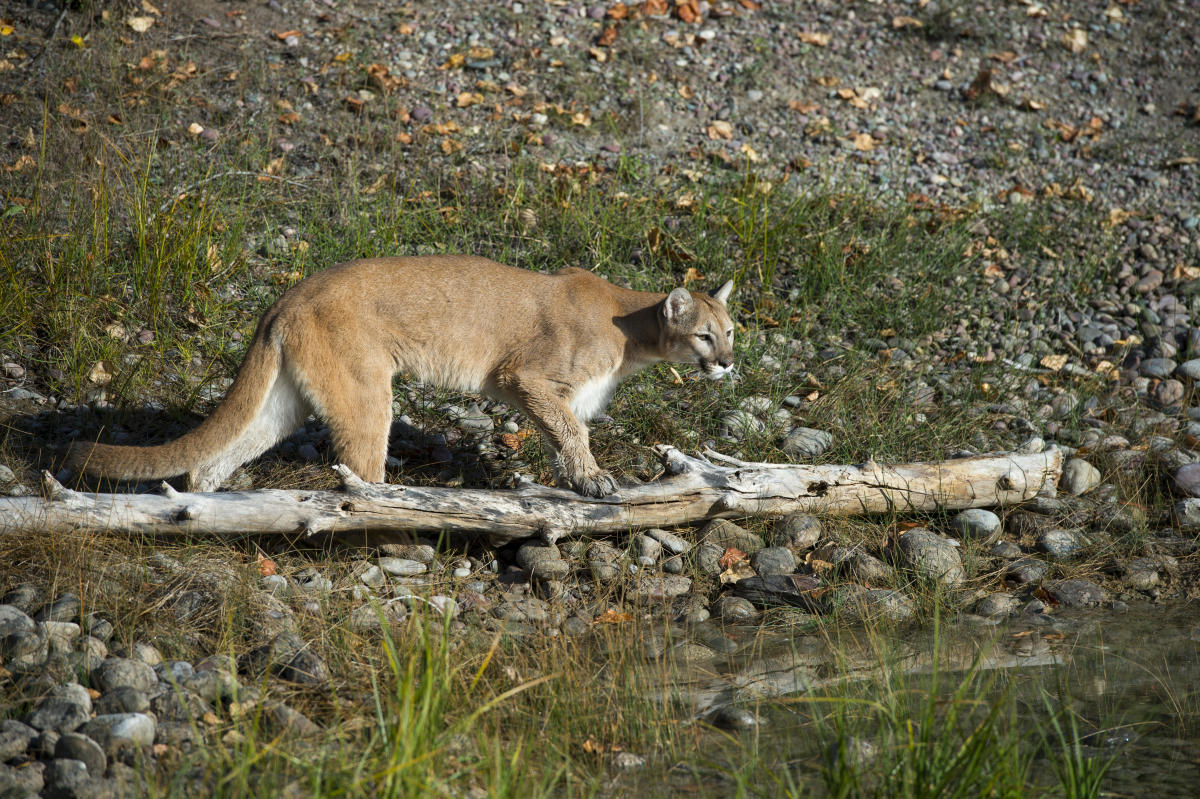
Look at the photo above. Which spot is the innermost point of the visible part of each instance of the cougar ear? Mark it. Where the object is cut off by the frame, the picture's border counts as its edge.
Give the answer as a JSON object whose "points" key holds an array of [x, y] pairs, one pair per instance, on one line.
{"points": [[677, 303], [721, 295]]}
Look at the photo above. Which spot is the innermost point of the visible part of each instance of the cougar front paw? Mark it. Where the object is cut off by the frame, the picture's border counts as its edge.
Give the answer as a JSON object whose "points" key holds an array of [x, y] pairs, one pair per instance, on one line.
{"points": [[599, 484]]}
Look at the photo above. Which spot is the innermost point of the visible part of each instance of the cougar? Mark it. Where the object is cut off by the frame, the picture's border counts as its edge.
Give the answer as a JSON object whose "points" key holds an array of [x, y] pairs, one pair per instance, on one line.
{"points": [[554, 345]]}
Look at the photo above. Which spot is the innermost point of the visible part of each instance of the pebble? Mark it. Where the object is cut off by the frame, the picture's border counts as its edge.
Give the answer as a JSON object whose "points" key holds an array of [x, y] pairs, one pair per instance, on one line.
{"points": [[734, 609], [998, 605], [773, 560], [976, 524], [805, 442], [118, 730], [75, 746], [1187, 479], [542, 562], [1188, 513], [671, 542], [124, 672], [401, 567], [67, 707], [662, 588], [1026, 571], [731, 717], [1061, 544], [726, 535], [1079, 477], [1075, 593], [1160, 368], [1005, 549], [932, 556], [1189, 369], [799, 530]]}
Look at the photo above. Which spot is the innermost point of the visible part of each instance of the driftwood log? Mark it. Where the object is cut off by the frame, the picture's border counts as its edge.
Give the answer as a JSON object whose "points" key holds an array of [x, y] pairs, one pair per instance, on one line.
{"points": [[692, 489]]}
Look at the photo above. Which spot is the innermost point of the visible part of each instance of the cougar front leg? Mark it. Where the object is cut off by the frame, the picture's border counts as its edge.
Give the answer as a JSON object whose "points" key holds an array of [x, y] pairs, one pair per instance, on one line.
{"points": [[567, 436]]}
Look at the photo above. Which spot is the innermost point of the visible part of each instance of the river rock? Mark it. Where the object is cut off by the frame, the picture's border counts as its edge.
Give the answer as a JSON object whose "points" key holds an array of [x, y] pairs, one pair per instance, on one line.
{"points": [[542, 562], [976, 524], [67, 707], [15, 620], [796, 590], [123, 699], [289, 657], [1187, 479], [1061, 544], [932, 556], [799, 530], [731, 717], [708, 557], [1188, 513], [872, 604], [1005, 549], [671, 542], [15, 738], [805, 442], [648, 549], [1141, 574], [734, 609], [65, 608], [1075, 593], [666, 587], [117, 672], [1160, 368], [402, 567], [1079, 477], [119, 730], [64, 777], [75, 746], [726, 535], [773, 560], [998, 605], [1026, 571]]}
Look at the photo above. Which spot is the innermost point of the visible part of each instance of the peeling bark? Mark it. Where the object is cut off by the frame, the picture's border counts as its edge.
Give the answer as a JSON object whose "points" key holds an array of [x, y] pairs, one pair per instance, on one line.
{"points": [[693, 489]]}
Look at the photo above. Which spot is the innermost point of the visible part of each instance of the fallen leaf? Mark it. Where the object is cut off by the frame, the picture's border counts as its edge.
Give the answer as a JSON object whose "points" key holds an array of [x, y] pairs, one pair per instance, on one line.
{"points": [[275, 166], [720, 129], [906, 22], [140, 24], [803, 108], [732, 556], [101, 373], [467, 99], [618, 11], [195, 129], [814, 38], [1075, 40], [691, 275], [266, 566], [598, 54], [510, 441], [297, 34], [450, 146], [1053, 362], [1186, 160], [864, 142], [607, 36], [613, 616]]}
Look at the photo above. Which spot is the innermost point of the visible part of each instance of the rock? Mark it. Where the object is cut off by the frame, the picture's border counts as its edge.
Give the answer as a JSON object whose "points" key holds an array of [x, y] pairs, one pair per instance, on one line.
{"points": [[542, 562], [123, 699], [671, 542], [805, 442], [1188, 513], [1026, 571], [799, 530], [1061, 544], [1005, 549], [377, 616], [932, 556], [869, 569], [649, 549], [24, 597], [67, 707], [15, 620], [730, 717], [421, 553], [15, 738], [1075, 593], [661, 588], [1079, 477], [977, 524], [68, 779], [475, 420], [773, 560], [23, 782], [289, 657], [179, 704], [74, 746], [65, 608], [1168, 392], [117, 672], [1140, 575], [877, 603], [1160, 368], [726, 535], [795, 590], [999, 605], [627, 761], [402, 567], [120, 730], [734, 609], [1187, 479], [708, 558], [1189, 369], [739, 424], [146, 653]]}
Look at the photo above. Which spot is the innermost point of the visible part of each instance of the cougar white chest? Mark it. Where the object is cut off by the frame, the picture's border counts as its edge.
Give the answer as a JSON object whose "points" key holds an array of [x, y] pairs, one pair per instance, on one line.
{"points": [[593, 396]]}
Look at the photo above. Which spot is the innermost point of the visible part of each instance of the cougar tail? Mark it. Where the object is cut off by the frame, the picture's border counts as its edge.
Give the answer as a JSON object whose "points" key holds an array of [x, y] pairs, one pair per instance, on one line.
{"points": [[262, 406]]}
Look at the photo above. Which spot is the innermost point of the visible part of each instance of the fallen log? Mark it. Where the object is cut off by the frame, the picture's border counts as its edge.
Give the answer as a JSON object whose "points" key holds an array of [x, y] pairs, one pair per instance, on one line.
{"points": [[692, 489]]}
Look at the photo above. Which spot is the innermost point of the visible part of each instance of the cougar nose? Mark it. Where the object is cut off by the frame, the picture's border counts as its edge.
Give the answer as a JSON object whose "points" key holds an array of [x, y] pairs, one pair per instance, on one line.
{"points": [[726, 363]]}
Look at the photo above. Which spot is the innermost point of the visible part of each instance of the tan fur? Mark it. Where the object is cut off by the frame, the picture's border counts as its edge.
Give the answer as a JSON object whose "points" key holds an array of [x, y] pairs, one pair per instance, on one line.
{"points": [[554, 345]]}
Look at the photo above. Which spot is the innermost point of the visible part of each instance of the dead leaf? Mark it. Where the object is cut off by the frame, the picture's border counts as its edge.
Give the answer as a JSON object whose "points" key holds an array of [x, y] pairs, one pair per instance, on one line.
{"points": [[803, 108], [195, 129], [266, 566], [295, 34], [607, 36], [720, 129], [1053, 362], [1075, 40], [618, 11], [901, 22], [140, 24], [467, 99], [450, 146], [864, 142], [275, 166], [661, 245], [814, 38], [691, 275], [613, 616], [732, 556], [101, 373], [510, 441]]}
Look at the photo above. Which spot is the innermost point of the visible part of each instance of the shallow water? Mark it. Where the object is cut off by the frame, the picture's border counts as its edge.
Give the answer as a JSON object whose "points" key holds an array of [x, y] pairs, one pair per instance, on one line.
{"points": [[1130, 681]]}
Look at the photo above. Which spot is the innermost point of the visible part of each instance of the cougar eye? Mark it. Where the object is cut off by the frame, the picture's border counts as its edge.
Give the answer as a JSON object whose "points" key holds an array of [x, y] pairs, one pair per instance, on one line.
{"points": [[705, 337]]}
